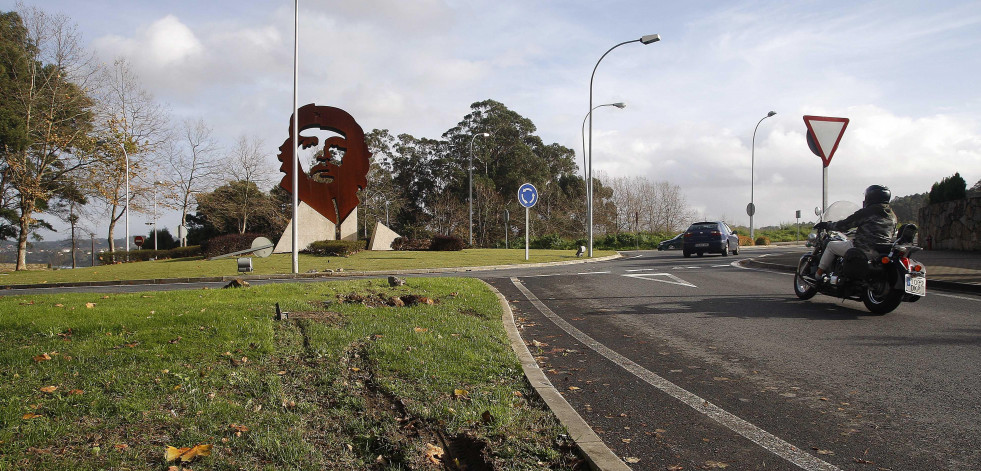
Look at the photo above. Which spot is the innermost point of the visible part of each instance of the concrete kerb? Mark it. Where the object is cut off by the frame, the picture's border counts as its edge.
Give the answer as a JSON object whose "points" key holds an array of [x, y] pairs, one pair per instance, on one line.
{"points": [[599, 456], [934, 284], [217, 279]]}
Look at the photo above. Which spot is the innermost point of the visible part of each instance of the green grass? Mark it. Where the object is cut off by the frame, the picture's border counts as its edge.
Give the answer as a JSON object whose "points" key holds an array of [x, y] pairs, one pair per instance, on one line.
{"points": [[282, 264], [354, 388]]}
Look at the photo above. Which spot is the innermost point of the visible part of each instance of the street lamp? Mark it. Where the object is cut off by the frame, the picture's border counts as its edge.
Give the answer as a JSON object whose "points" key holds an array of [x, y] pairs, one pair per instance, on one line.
{"points": [[126, 155], [155, 235], [470, 172], [621, 105], [650, 38], [751, 210]]}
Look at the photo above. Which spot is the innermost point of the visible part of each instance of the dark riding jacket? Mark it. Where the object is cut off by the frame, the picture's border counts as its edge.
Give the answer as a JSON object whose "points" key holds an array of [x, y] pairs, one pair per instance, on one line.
{"points": [[876, 224]]}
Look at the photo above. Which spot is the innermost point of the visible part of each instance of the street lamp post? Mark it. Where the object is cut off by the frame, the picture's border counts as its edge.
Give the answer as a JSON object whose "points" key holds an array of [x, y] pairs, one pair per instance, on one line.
{"points": [[470, 173], [126, 155], [650, 38], [752, 173], [155, 235], [589, 197]]}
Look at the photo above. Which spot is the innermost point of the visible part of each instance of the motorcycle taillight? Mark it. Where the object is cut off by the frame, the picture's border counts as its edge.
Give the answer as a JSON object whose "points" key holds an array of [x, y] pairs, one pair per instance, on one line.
{"points": [[905, 262]]}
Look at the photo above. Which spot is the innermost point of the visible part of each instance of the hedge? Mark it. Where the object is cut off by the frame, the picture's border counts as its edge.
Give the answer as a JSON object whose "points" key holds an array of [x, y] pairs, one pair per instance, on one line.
{"points": [[143, 255], [335, 248]]}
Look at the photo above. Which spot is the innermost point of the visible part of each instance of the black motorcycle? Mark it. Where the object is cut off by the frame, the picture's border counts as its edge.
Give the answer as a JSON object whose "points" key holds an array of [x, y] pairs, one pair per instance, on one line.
{"points": [[881, 279]]}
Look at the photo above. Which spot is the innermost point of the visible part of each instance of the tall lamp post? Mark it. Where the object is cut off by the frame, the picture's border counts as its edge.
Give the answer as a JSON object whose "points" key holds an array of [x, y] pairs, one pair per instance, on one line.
{"points": [[470, 173], [126, 155], [752, 173], [589, 197], [650, 38]]}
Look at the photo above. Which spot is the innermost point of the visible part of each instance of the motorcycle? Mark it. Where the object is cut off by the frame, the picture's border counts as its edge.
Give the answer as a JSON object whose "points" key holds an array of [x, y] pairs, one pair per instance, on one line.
{"points": [[881, 279]]}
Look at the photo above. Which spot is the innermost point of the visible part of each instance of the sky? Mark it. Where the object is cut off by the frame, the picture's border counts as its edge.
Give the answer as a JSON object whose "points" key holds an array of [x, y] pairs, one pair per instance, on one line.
{"points": [[905, 73]]}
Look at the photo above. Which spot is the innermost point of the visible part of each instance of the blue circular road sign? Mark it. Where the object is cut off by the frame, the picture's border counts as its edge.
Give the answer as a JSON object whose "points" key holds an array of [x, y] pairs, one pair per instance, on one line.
{"points": [[527, 195]]}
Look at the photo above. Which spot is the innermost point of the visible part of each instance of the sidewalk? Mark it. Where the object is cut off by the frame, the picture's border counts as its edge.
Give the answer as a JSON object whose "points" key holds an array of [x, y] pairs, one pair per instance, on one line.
{"points": [[946, 269]]}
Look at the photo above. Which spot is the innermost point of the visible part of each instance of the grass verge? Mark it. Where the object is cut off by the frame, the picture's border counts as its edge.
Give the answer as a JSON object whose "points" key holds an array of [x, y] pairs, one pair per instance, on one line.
{"points": [[89, 381], [282, 263]]}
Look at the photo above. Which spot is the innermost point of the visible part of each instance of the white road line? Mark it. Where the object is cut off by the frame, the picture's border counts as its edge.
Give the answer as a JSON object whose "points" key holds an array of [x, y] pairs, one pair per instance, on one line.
{"points": [[934, 293], [674, 280], [642, 269], [757, 435], [594, 273]]}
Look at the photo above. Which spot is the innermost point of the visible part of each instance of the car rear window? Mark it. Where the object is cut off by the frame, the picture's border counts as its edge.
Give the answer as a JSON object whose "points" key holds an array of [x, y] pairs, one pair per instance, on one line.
{"points": [[705, 226]]}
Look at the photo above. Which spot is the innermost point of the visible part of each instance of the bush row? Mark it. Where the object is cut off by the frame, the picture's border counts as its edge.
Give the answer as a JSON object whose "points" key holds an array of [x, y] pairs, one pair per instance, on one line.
{"points": [[437, 243], [143, 255], [336, 248]]}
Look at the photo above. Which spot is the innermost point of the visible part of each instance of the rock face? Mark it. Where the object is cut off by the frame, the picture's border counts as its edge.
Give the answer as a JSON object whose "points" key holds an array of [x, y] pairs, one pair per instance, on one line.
{"points": [[953, 225]]}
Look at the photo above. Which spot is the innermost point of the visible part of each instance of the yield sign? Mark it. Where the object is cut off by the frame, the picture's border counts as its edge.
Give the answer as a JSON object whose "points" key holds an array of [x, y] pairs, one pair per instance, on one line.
{"points": [[824, 134]]}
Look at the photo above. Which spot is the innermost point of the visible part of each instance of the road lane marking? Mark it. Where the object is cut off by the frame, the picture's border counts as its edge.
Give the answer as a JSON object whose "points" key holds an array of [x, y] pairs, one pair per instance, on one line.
{"points": [[761, 437], [594, 273], [674, 280]]}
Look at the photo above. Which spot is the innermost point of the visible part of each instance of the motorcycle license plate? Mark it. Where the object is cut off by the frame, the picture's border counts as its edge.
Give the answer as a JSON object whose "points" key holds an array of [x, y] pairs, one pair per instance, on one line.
{"points": [[702, 245], [916, 285]]}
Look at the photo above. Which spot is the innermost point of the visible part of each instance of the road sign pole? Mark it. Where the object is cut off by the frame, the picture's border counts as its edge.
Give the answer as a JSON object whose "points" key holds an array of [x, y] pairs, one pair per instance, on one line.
{"points": [[824, 194], [526, 233]]}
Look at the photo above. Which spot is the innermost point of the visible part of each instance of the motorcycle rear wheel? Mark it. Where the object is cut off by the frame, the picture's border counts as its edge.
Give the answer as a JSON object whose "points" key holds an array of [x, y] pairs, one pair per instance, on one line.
{"points": [[880, 304], [802, 288]]}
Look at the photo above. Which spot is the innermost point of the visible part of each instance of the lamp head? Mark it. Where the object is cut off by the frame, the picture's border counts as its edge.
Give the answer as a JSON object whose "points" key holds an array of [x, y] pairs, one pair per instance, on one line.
{"points": [[771, 114], [620, 105], [650, 38], [485, 134]]}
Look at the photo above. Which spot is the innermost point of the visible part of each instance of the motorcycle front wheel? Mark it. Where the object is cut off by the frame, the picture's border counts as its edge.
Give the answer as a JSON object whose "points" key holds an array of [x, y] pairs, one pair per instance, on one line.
{"points": [[802, 288]]}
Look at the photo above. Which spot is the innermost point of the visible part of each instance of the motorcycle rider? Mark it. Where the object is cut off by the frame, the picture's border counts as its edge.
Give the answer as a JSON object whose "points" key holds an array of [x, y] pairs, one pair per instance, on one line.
{"points": [[876, 224]]}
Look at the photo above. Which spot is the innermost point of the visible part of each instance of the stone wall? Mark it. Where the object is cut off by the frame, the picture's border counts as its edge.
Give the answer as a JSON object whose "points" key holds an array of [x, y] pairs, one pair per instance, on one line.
{"points": [[954, 225]]}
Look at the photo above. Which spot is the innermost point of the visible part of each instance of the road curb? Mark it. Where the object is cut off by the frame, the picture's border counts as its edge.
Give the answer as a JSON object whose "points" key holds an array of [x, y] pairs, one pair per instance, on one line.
{"points": [[303, 276], [599, 456], [941, 285]]}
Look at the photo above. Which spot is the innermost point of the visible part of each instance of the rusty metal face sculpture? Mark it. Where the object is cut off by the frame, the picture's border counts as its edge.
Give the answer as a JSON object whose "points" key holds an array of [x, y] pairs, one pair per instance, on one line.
{"points": [[332, 190]]}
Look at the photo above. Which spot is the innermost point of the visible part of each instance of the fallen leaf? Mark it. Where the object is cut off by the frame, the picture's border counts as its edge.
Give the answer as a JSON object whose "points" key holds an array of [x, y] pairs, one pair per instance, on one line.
{"points": [[49, 389], [76, 392], [90, 305], [434, 453], [631, 460], [573, 388], [486, 417], [420, 329], [122, 446], [238, 428], [186, 454], [42, 357], [178, 339], [31, 416], [823, 452], [716, 465], [59, 305], [625, 440], [675, 468]]}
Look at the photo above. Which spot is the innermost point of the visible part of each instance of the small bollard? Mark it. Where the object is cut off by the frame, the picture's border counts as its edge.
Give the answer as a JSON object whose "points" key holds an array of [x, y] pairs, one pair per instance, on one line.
{"points": [[244, 264]]}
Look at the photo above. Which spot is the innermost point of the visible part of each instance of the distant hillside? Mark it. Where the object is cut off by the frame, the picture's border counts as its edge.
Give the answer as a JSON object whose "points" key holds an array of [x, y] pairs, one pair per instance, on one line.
{"points": [[906, 207]]}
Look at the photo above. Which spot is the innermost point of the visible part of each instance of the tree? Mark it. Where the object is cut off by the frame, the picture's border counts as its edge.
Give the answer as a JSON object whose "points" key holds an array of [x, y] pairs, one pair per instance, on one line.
{"points": [[46, 78], [240, 207], [131, 125], [949, 189], [193, 164]]}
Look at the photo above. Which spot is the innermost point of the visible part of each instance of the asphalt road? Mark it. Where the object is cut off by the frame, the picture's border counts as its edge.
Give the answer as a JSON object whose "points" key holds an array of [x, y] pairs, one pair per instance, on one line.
{"points": [[700, 364]]}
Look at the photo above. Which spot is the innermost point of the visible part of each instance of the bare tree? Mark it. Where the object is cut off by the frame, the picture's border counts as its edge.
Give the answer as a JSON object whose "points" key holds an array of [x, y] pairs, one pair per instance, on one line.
{"points": [[128, 118], [48, 76], [192, 160]]}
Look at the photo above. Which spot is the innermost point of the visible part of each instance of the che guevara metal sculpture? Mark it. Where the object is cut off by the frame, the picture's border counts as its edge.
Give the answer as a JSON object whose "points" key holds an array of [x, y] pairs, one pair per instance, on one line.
{"points": [[331, 189]]}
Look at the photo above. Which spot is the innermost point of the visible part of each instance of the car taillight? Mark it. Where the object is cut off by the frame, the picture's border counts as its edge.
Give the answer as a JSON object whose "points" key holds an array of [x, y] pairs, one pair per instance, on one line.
{"points": [[687, 235], [715, 233]]}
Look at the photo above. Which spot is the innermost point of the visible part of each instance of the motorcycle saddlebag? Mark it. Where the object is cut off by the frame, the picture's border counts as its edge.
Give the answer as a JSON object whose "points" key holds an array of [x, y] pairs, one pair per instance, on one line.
{"points": [[855, 264]]}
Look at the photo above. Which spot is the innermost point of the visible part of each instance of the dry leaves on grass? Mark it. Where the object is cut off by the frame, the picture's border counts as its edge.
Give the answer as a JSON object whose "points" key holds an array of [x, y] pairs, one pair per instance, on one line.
{"points": [[434, 454], [49, 389], [186, 454], [715, 465], [30, 416], [42, 357]]}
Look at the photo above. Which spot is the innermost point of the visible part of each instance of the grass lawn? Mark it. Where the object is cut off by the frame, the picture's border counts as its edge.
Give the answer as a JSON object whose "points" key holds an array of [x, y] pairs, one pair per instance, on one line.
{"points": [[89, 381], [282, 264]]}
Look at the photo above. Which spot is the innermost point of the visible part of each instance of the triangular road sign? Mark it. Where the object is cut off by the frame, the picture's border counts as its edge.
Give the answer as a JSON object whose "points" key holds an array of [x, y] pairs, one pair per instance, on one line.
{"points": [[825, 134]]}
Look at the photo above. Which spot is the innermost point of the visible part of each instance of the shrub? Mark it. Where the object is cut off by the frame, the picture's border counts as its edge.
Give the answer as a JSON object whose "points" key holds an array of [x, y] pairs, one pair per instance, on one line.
{"points": [[745, 240], [762, 240], [549, 242], [227, 243], [949, 189], [144, 255], [184, 252], [446, 243], [335, 248], [402, 243]]}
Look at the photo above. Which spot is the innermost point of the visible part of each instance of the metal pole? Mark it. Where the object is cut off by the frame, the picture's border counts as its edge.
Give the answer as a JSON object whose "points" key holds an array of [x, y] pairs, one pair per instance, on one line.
{"points": [[387, 223], [470, 198], [126, 155], [507, 227], [92, 235], [824, 193], [526, 233], [155, 235], [752, 174], [589, 184], [296, 138], [589, 199]]}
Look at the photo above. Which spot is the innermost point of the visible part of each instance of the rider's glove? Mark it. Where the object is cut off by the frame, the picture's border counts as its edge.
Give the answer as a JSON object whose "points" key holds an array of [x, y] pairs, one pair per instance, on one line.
{"points": [[822, 225]]}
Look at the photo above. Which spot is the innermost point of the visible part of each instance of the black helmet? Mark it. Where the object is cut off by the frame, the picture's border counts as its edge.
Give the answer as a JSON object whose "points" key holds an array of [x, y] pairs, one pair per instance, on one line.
{"points": [[876, 194]]}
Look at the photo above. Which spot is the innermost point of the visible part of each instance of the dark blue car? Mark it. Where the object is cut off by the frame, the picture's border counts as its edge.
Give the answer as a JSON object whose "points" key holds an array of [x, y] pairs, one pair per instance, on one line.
{"points": [[710, 237]]}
